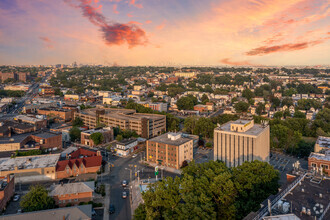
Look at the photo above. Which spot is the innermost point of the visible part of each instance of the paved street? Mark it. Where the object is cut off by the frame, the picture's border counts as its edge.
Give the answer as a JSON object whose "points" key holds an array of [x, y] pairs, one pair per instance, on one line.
{"points": [[120, 172]]}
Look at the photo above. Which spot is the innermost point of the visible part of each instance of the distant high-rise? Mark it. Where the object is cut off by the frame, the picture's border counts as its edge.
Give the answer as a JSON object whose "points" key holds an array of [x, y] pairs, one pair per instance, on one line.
{"points": [[240, 141]]}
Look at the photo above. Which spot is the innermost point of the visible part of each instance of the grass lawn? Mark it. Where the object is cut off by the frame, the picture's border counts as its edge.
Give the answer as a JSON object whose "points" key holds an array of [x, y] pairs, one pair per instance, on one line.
{"points": [[309, 139]]}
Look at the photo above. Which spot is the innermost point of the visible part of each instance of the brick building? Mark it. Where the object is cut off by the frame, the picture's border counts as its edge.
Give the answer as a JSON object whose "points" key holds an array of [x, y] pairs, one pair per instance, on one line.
{"points": [[48, 140], [5, 76], [63, 114], [170, 150], [318, 160], [79, 162], [107, 134], [72, 193], [7, 190]]}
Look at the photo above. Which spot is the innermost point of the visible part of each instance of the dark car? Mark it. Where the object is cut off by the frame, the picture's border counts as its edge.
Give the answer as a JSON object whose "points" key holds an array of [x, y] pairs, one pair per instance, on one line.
{"points": [[111, 209]]}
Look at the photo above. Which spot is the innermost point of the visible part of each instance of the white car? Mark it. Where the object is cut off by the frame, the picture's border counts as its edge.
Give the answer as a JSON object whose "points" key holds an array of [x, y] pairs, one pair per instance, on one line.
{"points": [[124, 195], [134, 155]]}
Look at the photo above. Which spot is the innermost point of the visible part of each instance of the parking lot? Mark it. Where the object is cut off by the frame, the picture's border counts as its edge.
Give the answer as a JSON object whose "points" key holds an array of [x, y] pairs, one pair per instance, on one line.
{"points": [[283, 163], [202, 155]]}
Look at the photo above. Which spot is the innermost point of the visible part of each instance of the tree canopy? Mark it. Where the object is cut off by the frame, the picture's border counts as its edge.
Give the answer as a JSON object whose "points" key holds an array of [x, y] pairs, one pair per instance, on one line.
{"points": [[210, 191], [97, 138], [37, 199]]}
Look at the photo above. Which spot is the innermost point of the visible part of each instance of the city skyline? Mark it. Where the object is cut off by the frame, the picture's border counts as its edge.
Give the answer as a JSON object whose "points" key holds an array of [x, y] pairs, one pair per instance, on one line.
{"points": [[141, 32]]}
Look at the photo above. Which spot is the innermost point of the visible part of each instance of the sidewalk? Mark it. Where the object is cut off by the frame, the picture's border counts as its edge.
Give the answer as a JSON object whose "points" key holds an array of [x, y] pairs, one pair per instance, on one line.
{"points": [[136, 196], [168, 169], [106, 202]]}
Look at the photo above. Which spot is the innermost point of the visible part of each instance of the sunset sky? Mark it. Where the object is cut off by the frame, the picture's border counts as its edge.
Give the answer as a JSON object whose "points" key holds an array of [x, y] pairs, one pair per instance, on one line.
{"points": [[165, 32]]}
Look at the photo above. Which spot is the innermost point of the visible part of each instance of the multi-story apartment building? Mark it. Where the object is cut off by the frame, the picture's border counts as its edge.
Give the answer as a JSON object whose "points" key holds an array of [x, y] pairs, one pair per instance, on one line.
{"points": [[159, 106], [238, 141], [170, 149], [145, 125], [320, 160], [185, 74]]}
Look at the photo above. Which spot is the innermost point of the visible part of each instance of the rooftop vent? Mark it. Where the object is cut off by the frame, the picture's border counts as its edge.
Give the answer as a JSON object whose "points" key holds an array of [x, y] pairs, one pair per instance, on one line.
{"points": [[174, 136]]}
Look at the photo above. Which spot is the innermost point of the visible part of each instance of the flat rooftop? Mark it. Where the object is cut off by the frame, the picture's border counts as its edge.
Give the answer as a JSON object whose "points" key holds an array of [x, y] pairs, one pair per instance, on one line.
{"points": [[323, 141], [72, 188], [124, 114], [31, 162], [308, 195], [320, 156], [254, 131], [166, 140]]}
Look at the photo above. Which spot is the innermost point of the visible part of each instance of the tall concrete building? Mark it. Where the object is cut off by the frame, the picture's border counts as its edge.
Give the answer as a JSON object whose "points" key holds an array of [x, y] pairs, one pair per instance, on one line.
{"points": [[238, 141]]}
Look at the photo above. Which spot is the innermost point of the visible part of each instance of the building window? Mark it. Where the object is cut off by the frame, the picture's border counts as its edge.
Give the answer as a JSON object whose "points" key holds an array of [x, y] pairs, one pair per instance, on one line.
{"points": [[313, 164], [324, 167]]}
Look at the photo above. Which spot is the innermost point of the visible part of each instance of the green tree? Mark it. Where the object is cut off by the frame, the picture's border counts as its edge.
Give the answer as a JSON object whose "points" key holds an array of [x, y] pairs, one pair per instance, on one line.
{"points": [[241, 107], [278, 115], [204, 127], [205, 99], [140, 212], [254, 181], [260, 108], [224, 118], [78, 122], [299, 114], [190, 124], [75, 134], [248, 94], [185, 103], [37, 199], [119, 137], [97, 138]]}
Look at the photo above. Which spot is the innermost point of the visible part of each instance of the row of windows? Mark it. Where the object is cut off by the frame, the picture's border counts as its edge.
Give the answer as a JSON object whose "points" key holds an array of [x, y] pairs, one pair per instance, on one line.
{"points": [[324, 166]]}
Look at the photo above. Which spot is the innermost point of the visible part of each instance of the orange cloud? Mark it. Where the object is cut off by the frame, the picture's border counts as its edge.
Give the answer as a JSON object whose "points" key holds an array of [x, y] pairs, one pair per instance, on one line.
{"points": [[135, 22], [47, 42], [148, 21], [283, 48], [129, 15], [114, 9], [162, 25], [113, 33], [228, 61], [133, 2]]}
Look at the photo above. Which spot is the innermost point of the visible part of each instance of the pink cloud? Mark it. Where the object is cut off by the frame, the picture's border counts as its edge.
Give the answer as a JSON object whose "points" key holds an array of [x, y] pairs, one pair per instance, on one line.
{"points": [[47, 42], [135, 22], [228, 61], [113, 33], [148, 21], [133, 2], [284, 47], [129, 15], [114, 9]]}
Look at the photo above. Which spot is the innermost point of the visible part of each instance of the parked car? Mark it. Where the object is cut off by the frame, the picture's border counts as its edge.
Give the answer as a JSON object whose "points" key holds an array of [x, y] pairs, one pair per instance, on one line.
{"points": [[124, 195], [19, 211], [134, 155], [16, 198], [124, 183], [112, 209]]}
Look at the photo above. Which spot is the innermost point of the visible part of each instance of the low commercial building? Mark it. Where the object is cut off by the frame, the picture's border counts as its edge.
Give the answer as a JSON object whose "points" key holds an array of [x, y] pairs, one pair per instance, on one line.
{"points": [[48, 140], [170, 150], [18, 87], [107, 134], [201, 108], [38, 123], [79, 162], [238, 141], [30, 168], [71, 97], [7, 190], [322, 144], [185, 74], [126, 147], [63, 114], [159, 106], [320, 160], [74, 212], [145, 125], [72, 193]]}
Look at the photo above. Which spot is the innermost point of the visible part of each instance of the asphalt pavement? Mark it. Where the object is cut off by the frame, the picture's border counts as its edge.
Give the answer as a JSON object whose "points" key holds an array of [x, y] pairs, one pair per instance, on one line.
{"points": [[121, 171]]}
